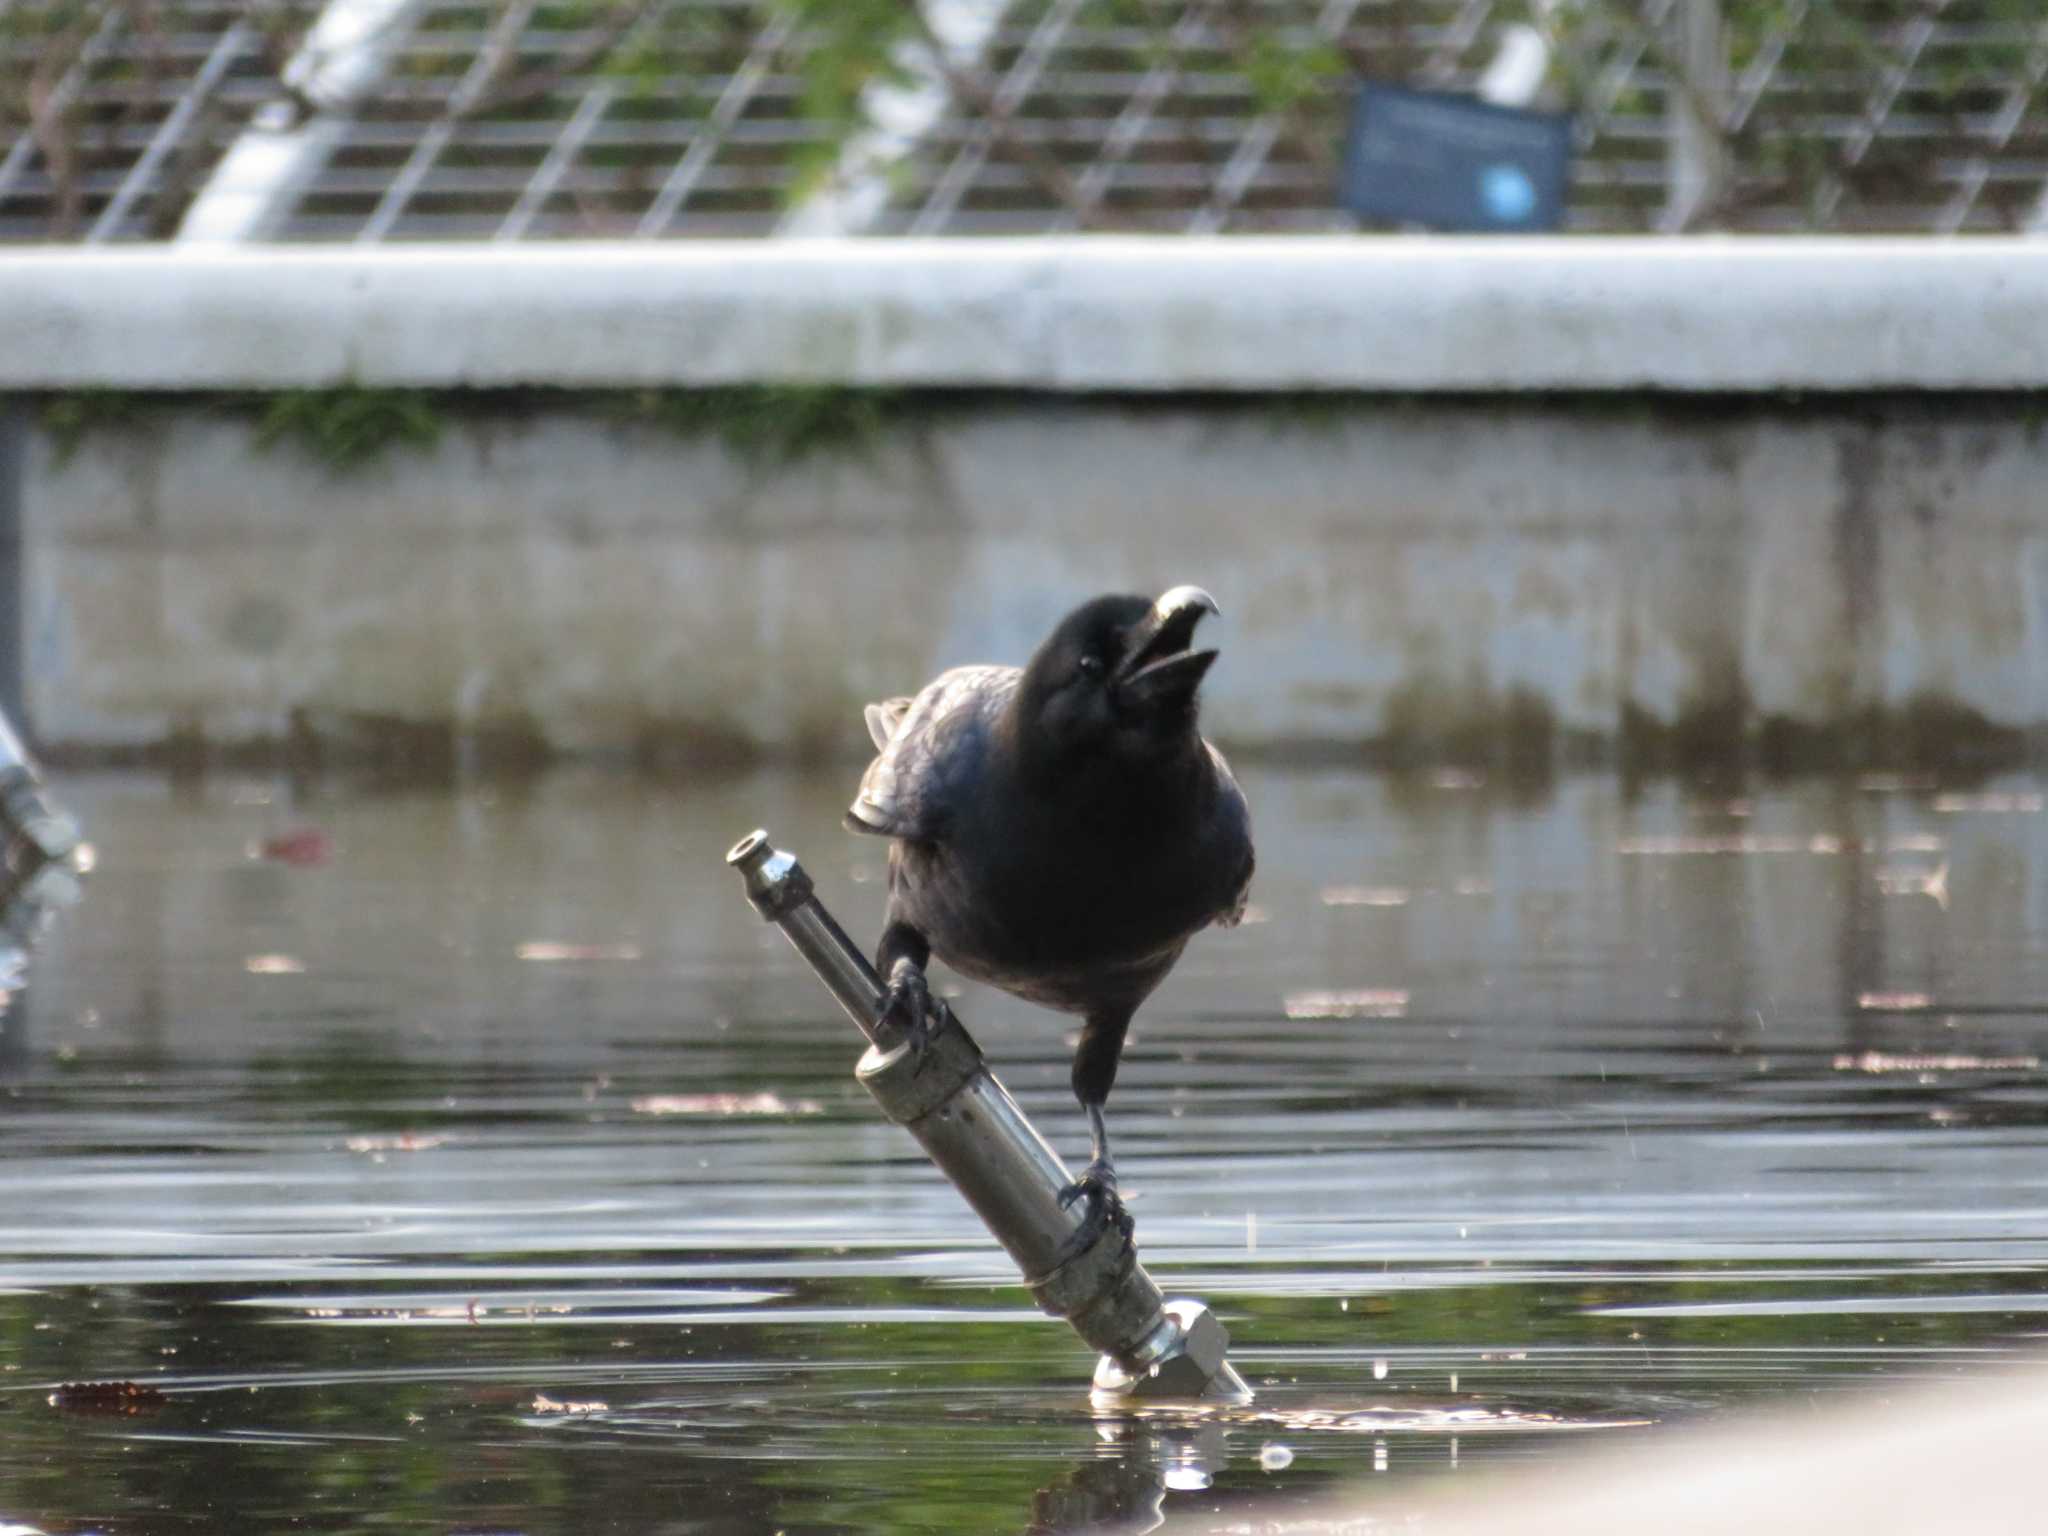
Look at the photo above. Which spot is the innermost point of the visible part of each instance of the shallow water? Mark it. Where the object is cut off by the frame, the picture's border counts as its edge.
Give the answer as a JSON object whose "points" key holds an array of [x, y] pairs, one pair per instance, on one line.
{"points": [[481, 1163]]}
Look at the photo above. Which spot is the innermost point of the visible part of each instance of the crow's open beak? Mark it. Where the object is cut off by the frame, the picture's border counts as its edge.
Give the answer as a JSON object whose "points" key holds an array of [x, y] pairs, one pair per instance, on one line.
{"points": [[1159, 666]]}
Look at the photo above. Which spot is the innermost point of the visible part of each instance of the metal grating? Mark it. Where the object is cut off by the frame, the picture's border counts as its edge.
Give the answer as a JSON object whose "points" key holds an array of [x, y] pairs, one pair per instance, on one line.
{"points": [[1200, 117], [1917, 117], [498, 122], [112, 114], [534, 119], [1884, 116]]}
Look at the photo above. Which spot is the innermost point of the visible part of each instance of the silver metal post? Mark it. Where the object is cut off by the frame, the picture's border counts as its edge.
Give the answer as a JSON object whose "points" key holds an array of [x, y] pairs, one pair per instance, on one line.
{"points": [[970, 1126], [32, 831]]}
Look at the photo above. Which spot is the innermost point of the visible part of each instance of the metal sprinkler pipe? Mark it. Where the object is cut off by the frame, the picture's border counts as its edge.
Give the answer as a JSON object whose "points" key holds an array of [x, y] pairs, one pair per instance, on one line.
{"points": [[970, 1126]]}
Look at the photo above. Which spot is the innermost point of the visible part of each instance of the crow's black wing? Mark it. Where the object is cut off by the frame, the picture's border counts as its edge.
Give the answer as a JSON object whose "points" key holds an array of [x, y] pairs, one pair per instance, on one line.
{"points": [[1235, 913], [1234, 803], [930, 746]]}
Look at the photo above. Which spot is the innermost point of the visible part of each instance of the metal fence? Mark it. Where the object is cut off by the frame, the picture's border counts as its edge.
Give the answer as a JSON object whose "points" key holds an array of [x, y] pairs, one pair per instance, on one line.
{"points": [[432, 119]]}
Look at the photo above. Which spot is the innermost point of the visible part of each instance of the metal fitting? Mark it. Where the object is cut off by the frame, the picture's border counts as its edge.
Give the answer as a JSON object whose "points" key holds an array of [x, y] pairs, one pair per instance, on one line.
{"points": [[776, 883], [782, 892], [1190, 1362], [944, 1094], [910, 1084]]}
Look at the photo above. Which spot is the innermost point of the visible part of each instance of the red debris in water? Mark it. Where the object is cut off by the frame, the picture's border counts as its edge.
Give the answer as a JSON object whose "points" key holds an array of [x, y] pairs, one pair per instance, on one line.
{"points": [[107, 1397], [304, 847]]}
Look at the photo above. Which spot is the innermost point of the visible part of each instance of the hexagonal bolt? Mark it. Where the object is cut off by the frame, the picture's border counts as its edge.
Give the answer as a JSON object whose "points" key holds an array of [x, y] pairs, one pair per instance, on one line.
{"points": [[1192, 1365]]}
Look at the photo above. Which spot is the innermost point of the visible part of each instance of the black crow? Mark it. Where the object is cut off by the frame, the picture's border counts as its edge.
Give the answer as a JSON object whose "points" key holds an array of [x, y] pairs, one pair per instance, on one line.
{"points": [[1060, 831]]}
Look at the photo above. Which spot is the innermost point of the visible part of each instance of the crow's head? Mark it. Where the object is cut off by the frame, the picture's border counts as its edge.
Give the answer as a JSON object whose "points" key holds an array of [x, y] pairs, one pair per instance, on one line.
{"points": [[1119, 670]]}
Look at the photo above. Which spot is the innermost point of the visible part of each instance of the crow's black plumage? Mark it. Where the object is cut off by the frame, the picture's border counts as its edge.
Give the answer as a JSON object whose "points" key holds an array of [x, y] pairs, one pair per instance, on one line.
{"points": [[1060, 830]]}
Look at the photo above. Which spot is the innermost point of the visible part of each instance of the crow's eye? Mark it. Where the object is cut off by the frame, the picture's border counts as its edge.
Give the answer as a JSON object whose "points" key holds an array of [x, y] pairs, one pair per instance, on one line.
{"points": [[1091, 664]]}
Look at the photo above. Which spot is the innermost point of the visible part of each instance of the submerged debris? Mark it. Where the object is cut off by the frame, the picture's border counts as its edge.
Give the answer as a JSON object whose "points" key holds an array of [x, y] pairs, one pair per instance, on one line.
{"points": [[1950, 1061], [1729, 843], [1992, 805], [542, 1403], [1893, 1002], [1901, 880], [1364, 896], [1914, 842], [120, 1397], [1351, 1003], [304, 847], [548, 949], [404, 1141], [724, 1104]]}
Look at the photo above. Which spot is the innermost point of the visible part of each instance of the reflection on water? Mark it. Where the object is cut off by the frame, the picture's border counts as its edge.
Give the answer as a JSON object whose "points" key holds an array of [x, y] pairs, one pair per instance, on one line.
{"points": [[482, 1162], [33, 891]]}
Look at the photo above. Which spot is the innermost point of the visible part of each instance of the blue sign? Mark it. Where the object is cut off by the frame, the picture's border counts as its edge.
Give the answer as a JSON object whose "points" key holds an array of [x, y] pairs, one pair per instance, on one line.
{"points": [[1450, 162]]}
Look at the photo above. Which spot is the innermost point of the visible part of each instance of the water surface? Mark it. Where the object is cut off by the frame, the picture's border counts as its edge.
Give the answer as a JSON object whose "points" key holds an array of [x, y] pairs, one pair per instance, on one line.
{"points": [[479, 1162]]}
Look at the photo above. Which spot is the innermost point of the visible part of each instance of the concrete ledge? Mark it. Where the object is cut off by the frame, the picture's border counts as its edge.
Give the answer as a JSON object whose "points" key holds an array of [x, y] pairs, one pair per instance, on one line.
{"points": [[1066, 315]]}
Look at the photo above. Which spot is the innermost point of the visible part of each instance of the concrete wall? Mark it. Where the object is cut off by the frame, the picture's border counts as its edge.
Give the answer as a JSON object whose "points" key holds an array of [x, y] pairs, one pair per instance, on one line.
{"points": [[1460, 575], [1457, 496]]}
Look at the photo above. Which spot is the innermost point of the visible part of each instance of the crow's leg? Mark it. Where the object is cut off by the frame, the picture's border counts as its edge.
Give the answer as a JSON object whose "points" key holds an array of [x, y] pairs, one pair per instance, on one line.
{"points": [[901, 958], [1095, 1063]]}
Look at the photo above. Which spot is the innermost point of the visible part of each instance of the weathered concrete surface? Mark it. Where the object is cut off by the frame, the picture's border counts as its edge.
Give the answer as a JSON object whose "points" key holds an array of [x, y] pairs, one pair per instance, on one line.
{"points": [[1064, 315], [1865, 579]]}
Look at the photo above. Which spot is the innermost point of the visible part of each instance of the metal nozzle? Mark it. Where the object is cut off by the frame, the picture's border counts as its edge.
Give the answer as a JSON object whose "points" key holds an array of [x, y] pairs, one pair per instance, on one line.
{"points": [[783, 894], [775, 881], [969, 1125]]}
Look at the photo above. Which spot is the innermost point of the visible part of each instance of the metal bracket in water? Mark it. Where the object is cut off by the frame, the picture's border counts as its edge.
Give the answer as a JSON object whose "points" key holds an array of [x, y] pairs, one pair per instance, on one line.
{"points": [[970, 1126]]}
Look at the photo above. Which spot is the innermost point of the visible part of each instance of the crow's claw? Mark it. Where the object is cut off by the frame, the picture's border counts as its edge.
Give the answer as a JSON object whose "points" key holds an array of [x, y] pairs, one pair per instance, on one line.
{"points": [[1097, 1181], [1097, 1185], [908, 1004]]}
